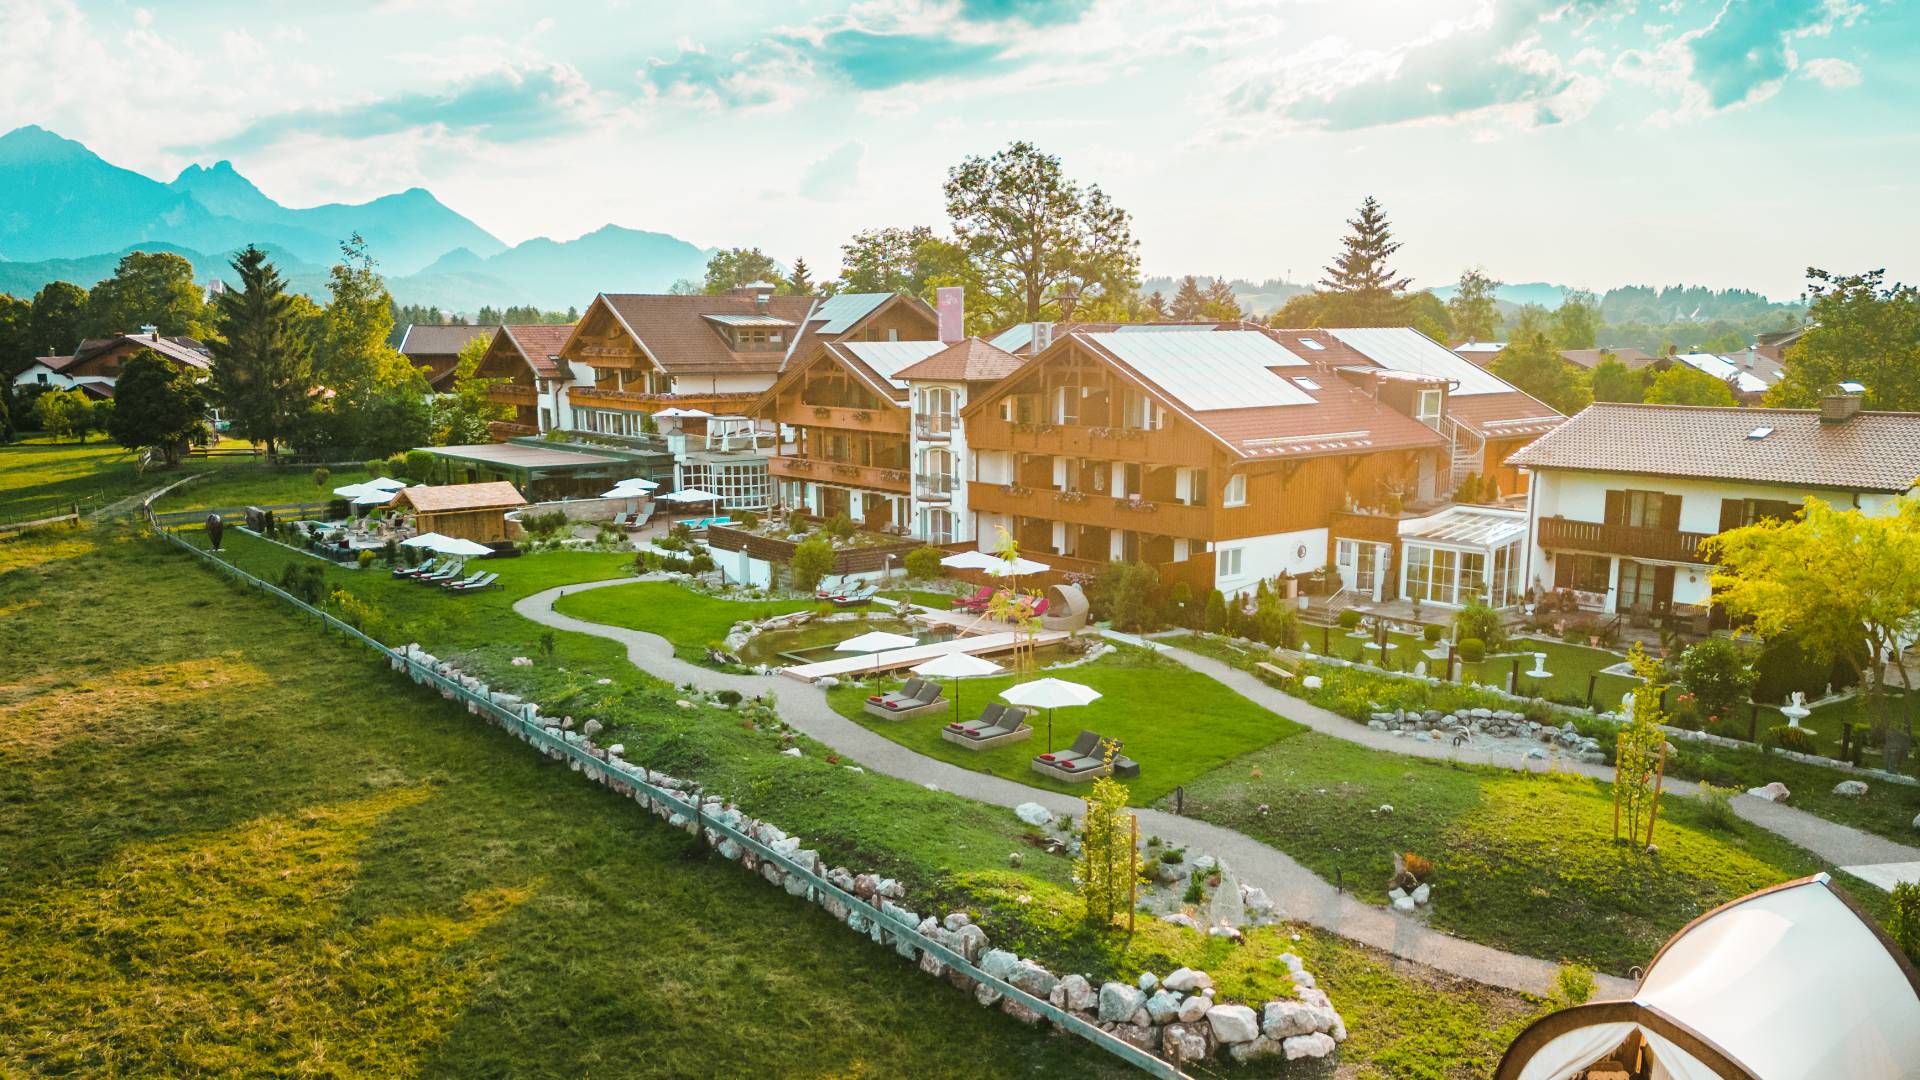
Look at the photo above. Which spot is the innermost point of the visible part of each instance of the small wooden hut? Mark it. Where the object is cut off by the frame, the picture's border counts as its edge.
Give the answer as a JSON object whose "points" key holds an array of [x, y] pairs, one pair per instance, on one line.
{"points": [[476, 512]]}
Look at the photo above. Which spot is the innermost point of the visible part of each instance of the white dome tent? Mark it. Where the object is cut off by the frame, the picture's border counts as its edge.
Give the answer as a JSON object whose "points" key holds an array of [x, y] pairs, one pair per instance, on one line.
{"points": [[1789, 983]]}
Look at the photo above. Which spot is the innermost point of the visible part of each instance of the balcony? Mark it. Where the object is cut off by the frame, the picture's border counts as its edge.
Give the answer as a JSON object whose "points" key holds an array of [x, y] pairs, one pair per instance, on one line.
{"points": [[839, 472], [1164, 447], [890, 419], [935, 426], [1631, 541], [935, 487], [719, 403], [1081, 508], [502, 430], [508, 393]]}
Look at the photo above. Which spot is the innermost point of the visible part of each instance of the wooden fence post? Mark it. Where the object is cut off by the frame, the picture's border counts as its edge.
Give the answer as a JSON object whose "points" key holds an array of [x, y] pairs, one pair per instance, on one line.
{"points": [[1133, 873]]}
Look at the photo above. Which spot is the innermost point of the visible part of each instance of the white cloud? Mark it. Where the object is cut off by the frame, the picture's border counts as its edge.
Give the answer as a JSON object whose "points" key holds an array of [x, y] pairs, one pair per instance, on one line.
{"points": [[1832, 73]]}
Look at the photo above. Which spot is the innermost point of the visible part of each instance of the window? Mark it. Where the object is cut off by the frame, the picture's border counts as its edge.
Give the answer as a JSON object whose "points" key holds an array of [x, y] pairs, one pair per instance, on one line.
{"points": [[893, 335], [1638, 587], [1430, 407], [1066, 404], [1019, 408], [1643, 509], [1236, 493], [741, 486], [1585, 573], [1305, 383], [43, 378], [1227, 562], [1312, 344], [1473, 576], [936, 525], [1737, 512]]}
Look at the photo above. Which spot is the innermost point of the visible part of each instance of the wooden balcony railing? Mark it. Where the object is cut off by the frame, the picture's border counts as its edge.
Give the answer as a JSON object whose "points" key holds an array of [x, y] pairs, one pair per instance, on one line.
{"points": [[1632, 541], [507, 393], [891, 419], [718, 403], [935, 425], [1164, 447], [502, 430], [1167, 518], [837, 472]]}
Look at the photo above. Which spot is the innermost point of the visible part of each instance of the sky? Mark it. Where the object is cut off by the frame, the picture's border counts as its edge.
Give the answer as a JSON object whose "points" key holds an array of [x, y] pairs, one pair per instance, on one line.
{"points": [[1730, 143]]}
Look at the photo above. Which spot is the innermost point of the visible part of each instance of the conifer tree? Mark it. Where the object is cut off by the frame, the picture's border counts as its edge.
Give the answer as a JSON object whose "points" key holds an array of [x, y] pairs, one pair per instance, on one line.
{"points": [[262, 363], [1187, 300], [1366, 291], [800, 282]]}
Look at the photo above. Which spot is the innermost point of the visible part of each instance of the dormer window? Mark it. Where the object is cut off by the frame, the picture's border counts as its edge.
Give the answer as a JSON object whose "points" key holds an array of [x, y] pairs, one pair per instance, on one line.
{"points": [[1429, 413]]}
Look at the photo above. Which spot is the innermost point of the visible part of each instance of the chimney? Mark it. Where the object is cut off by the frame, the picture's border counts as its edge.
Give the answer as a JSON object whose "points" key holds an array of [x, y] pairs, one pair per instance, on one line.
{"points": [[151, 331], [1042, 338], [950, 304], [1750, 356], [1839, 406]]}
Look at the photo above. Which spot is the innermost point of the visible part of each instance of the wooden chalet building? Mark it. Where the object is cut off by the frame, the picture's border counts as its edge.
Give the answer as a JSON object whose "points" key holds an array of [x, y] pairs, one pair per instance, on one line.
{"points": [[527, 360], [101, 359], [1226, 456], [434, 349]]}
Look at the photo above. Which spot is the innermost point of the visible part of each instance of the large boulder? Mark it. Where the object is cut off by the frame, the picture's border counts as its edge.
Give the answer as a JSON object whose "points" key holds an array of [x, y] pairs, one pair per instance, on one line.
{"points": [[1186, 981], [1075, 993], [1033, 814], [1316, 1045], [1032, 978], [1233, 1024], [1194, 1007], [1852, 789], [998, 963], [1774, 792], [1184, 1042], [1284, 1019], [1163, 1007], [1118, 1001]]}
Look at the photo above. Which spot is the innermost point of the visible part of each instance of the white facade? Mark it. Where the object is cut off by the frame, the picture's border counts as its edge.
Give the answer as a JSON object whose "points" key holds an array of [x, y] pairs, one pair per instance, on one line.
{"points": [[939, 459], [1581, 495], [39, 374], [1240, 565]]}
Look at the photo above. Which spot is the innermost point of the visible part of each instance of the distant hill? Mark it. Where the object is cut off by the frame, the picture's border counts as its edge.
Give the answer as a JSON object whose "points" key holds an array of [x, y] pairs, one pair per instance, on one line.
{"points": [[1260, 297], [60, 200], [556, 274], [1533, 292]]}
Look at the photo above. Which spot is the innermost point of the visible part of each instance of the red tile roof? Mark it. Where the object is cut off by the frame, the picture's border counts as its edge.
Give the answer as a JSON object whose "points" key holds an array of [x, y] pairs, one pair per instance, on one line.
{"points": [[679, 333], [540, 344], [972, 360], [1872, 451]]}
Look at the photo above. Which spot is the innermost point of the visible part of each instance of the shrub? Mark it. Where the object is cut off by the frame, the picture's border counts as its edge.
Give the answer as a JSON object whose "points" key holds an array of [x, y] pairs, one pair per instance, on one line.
{"points": [[1195, 894], [1126, 593], [923, 563], [1180, 603], [729, 698], [1433, 632], [419, 465], [1471, 650], [1276, 624], [1349, 619], [374, 466], [702, 562], [749, 519], [396, 465], [1214, 618], [339, 509], [1784, 665], [1903, 925], [1420, 868], [1716, 805], [840, 527], [1716, 673], [366, 557], [1173, 856], [1477, 620], [812, 560], [1572, 985], [321, 476], [1798, 740]]}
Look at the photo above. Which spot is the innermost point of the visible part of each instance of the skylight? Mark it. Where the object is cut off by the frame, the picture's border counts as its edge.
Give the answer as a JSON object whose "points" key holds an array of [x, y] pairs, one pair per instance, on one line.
{"points": [[1312, 344], [1759, 433], [1305, 383]]}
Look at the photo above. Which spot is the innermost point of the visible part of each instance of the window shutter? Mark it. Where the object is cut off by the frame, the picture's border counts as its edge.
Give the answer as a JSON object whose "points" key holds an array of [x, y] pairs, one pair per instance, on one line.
{"points": [[1616, 513], [1732, 514]]}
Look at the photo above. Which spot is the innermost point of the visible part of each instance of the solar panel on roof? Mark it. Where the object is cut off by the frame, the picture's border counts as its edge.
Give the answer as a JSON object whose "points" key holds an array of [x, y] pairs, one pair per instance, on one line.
{"points": [[1224, 370], [839, 312], [1401, 348], [888, 357]]}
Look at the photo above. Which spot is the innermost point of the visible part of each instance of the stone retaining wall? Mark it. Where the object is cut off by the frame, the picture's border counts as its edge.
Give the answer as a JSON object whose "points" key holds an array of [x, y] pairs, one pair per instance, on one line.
{"points": [[1176, 1017]]}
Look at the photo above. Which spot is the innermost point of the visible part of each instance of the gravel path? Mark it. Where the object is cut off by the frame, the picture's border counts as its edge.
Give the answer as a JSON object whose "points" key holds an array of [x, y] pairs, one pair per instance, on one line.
{"points": [[1840, 845], [1297, 892]]}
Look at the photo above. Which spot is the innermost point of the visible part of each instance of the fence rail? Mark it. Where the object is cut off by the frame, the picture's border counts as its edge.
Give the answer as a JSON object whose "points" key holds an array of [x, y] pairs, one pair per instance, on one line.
{"points": [[281, 512], [72, 516], [710, 830]]}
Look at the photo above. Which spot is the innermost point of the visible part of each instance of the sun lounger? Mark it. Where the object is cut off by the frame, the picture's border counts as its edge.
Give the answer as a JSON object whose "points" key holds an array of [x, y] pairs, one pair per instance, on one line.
{"points": [[475, 584], [989, 717], [441, 577], [461, 583], [1013, 727], [416, 571], [1084, 760], [830, 587], [623, 521], [900, 705], [856, 598], [977, 602]]}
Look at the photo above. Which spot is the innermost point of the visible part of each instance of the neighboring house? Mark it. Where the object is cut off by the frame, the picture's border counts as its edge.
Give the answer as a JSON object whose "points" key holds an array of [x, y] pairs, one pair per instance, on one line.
{"points": [[51, 372], [1480, 352], [102, 358], [1623, 494], [681, 373], [1588, 359], [1748, 374], [476, 512], [1033, 338], [1773, 346], [1227, 457], [434, 348], [527, 359]]}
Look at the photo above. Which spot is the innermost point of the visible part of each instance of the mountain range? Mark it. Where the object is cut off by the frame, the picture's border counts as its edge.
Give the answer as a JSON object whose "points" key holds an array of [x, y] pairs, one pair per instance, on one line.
{"points": [[67, 214]]}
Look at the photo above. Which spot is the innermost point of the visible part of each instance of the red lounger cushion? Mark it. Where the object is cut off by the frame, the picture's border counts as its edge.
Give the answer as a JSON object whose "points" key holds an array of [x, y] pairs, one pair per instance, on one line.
{"points": [[876, 699], [956, 727], [1046, 757], [1066, 764]]}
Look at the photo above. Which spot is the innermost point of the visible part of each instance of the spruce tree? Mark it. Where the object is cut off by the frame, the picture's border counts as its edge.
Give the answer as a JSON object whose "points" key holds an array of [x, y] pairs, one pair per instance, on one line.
{"points": [[262, 367], [1188, 300], [1365, 290], [800, 282]]}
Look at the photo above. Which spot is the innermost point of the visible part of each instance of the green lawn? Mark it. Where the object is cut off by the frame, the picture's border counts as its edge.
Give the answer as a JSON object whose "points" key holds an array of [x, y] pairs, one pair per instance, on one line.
{"points": [[691, 620], [1523, 862], [1177, 724], [39, 477], [260, 484], [239, 847]]}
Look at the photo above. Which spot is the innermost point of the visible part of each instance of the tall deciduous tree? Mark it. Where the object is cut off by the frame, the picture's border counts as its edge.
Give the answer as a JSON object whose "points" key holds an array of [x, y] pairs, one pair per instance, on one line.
{"points": [[1366, 290], [1864, 330], [1576, 322], [156, 405], [1683, 385], [262, 359], [1475, 315], [148, 288], [59, 314], [378, 399], [1531, 363], [735, 267], [888, 259], [1031, 233], [64, 414], [462, 416], [1614, 381], [17, 349], [1834, 579]]}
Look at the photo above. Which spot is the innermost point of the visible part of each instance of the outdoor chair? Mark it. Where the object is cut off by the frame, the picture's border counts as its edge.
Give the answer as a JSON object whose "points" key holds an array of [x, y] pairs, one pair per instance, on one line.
{"points": [[1012, 727], [441, 577], [830, 587], [416, 571], [1086, 759], [905, 693], [925, 698], [475, 584], [464, 582], [989, 717], [857, 598], [623, 521]]}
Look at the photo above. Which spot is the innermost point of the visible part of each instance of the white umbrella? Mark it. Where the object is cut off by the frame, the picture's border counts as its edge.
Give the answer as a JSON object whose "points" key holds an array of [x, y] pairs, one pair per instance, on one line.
{"points": [[351, 491], [694, 412], [1050, 694], [668, 413], [957, 666], [690, 495], [425, 540], [386, 483], [1014, 567], [447, 545], [630, 489], [875, 643], [374, 498], [969, 560]]}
